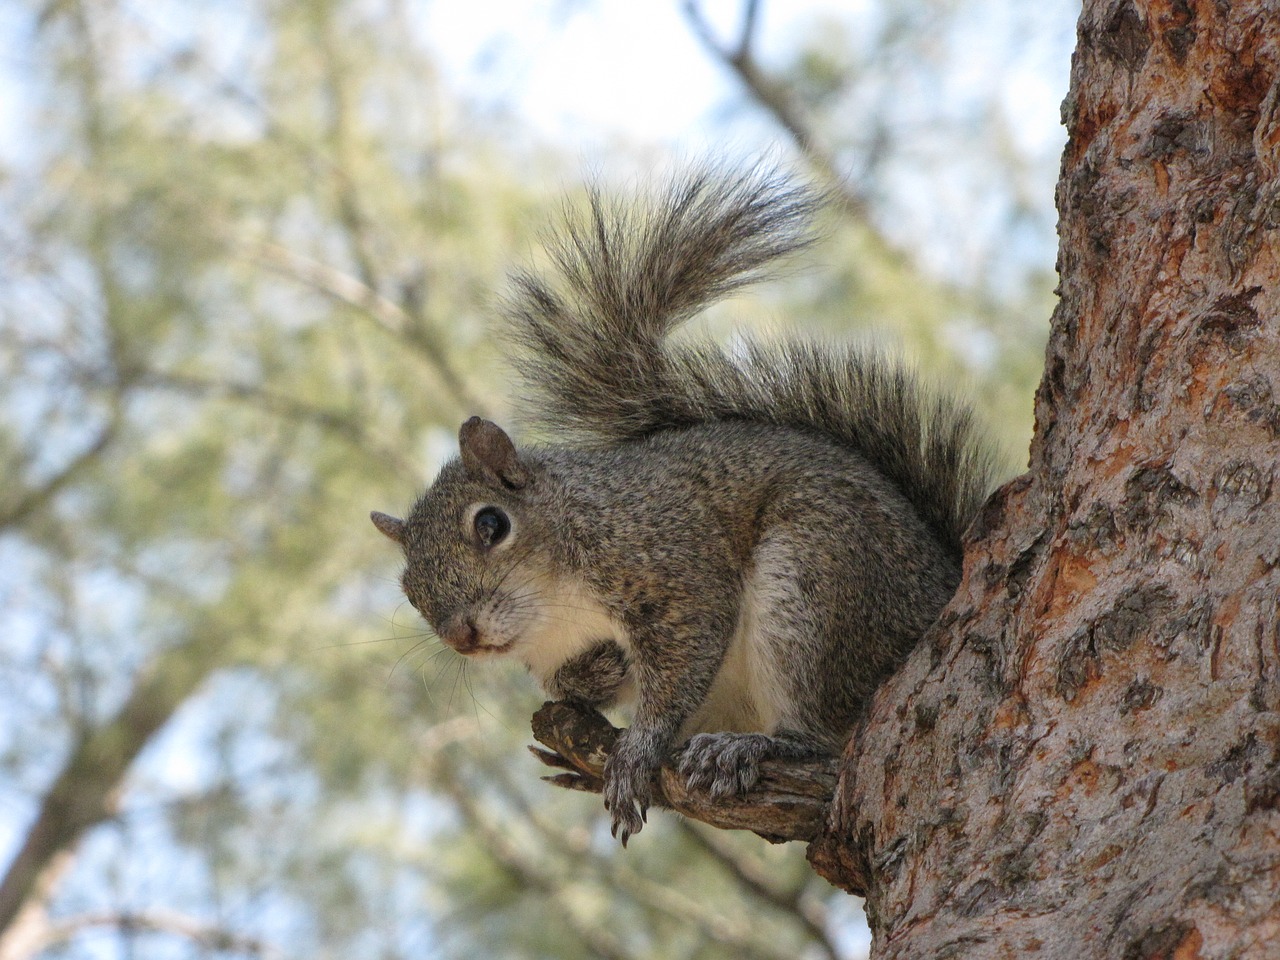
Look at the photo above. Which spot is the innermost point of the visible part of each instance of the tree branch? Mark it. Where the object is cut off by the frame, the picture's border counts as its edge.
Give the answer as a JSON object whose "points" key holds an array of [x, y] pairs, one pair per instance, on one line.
{"points": [[774, 97], [206, 935], [809, 912], [750, 18], [689, 912], [85, 790], [347, 426], [533, 872], [389, 315], [32, 499], [789, 803]]}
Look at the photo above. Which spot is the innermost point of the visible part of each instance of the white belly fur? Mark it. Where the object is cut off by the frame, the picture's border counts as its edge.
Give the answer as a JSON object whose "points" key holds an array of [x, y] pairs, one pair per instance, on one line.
{"points": [[748, 695], [568, 621]]}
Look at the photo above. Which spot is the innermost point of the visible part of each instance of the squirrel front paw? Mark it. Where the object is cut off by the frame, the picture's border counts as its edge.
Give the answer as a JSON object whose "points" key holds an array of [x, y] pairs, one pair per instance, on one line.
{"points": [[592, 677], [628, 778], [725, 763]]}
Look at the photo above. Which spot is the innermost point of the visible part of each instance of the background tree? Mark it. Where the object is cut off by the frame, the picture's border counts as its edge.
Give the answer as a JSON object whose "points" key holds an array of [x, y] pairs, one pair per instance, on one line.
{"points": [[248, 254]]}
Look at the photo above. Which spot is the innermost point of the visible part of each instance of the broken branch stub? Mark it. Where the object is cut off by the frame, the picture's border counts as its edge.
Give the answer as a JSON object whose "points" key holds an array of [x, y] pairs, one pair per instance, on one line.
{"points": [[789, 802]]}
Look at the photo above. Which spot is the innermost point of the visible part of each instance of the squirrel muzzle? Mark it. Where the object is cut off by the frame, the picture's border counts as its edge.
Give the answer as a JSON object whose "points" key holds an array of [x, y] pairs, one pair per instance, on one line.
{"points": [[462, 634]]}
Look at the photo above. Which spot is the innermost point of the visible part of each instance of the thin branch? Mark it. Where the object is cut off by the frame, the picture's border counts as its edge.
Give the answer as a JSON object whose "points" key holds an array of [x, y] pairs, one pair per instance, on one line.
{"points": [[206, 935], [335, 284], [389, 315], [789, 803], [533, 873], [810, 914], [750, 18], [661, 899], [35, 498], [346, 426], [790, 115], [355, 223], [774, 97], [84, 792]]}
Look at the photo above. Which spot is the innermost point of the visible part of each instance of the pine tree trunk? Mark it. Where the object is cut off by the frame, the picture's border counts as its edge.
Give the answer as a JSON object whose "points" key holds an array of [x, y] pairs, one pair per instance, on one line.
{"points": [[1083, 758]]}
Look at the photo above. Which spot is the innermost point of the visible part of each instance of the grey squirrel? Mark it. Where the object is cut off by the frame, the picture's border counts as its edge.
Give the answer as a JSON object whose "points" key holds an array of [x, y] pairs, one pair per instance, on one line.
{"points": [[745, 545]]}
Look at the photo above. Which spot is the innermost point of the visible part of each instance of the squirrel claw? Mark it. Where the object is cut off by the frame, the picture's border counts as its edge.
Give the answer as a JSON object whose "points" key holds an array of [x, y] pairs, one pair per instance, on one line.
{"points": [[627, 784], [619, 832], [627, 821], [724, 764]]}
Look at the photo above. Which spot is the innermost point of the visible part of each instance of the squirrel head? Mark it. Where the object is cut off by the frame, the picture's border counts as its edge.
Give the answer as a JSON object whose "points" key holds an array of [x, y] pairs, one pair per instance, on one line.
{"points": [[475, 545]]}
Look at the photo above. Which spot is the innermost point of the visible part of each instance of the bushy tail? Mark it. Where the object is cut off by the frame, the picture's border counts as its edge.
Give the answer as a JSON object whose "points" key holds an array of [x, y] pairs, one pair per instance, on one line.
{"points": [[596, 360]]}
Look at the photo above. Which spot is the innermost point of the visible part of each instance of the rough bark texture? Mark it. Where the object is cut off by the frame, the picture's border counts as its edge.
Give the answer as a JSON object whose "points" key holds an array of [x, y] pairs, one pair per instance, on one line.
{"points": [[1083, 758]]}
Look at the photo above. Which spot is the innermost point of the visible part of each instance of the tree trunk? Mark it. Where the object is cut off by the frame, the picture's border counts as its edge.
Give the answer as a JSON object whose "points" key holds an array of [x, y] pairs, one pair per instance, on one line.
{"points": [[1083, 758]]}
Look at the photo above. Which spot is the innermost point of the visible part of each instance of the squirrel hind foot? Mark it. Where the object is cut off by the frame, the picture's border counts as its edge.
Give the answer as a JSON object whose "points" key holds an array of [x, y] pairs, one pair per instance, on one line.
{"points": [[728, 764]]}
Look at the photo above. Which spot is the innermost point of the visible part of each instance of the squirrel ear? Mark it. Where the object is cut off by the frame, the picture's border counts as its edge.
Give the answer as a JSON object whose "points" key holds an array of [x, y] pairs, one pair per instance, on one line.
{"points": [[391, 527], [489, 454]]}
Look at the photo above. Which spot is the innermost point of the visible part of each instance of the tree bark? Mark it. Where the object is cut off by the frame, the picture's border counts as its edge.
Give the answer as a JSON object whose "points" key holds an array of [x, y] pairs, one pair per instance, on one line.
{"points": [[1083, 757]]}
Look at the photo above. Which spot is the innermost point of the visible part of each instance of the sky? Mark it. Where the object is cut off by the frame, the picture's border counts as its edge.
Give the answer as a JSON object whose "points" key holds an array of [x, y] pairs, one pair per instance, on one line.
{"points": [[580, 72], [606, 79], [629, 69], [583, 73], [594, 77], [587, 74]]}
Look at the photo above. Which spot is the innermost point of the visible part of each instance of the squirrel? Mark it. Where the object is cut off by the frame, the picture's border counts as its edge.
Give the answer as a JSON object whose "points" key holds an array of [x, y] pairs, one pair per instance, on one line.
{"points": [[744, 545]]}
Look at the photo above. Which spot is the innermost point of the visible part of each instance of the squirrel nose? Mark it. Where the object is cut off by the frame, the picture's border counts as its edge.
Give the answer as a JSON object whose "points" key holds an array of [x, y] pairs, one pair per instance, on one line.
{"points": [[461, 634]]}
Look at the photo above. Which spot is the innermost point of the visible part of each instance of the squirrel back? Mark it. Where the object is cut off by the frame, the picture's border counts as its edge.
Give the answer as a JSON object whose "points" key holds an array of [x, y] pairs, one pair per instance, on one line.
{"points": [[597, 360]]}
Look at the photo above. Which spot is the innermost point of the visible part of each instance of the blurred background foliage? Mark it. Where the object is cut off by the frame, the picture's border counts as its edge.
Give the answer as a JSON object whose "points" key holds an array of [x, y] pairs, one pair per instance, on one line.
{"points": [[248, 255]]}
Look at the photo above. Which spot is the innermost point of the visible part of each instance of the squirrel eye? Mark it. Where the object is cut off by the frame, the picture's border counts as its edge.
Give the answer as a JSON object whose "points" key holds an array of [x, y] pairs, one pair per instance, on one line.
{"points": [[491, 525]]}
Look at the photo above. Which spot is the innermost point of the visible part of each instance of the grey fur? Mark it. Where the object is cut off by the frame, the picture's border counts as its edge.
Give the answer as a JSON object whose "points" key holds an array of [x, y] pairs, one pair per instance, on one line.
{"points": [[593, 677], [599, 370], [752, 544]]}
